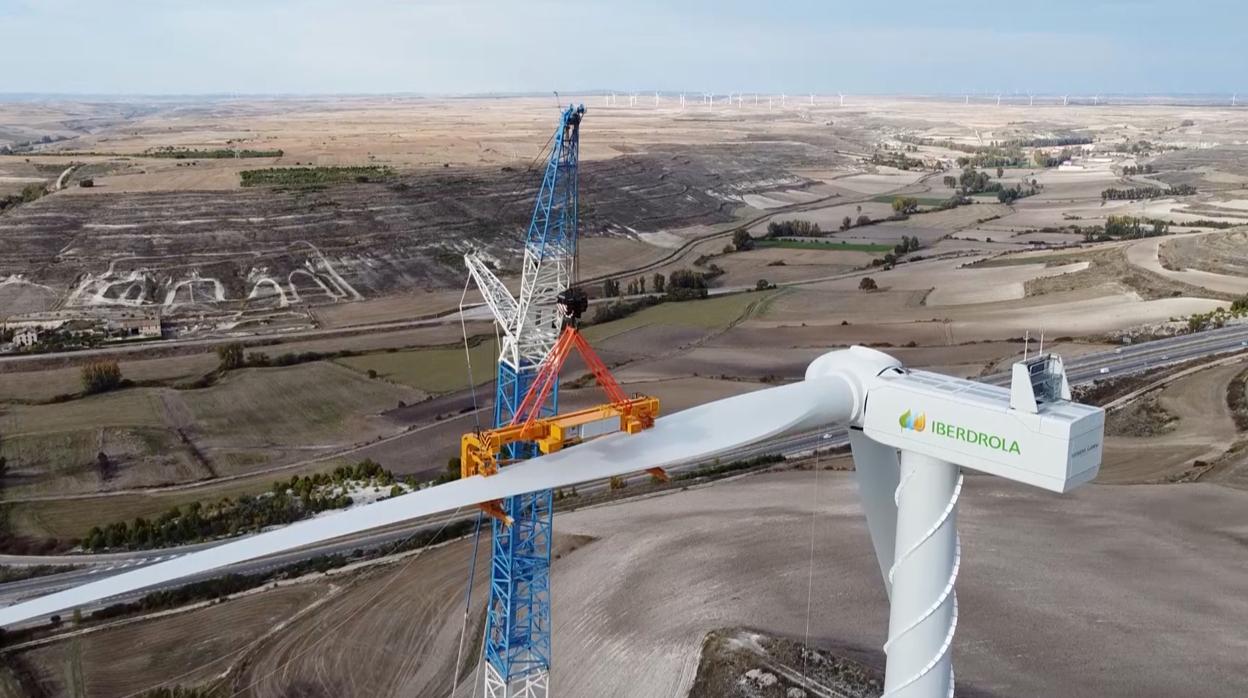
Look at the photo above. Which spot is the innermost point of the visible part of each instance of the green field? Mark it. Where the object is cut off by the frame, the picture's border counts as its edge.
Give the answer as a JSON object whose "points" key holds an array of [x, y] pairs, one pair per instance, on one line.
{"points": [[251, 419], [923, 200], [711, 313], [209, 154], [439, 370], [301, 405], [126, 408], [311, 176], [1017, 260], [826, 246]]}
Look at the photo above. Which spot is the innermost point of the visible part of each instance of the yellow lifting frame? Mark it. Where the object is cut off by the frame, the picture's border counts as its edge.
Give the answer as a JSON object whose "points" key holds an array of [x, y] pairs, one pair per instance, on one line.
{"points": [[480, 451]]}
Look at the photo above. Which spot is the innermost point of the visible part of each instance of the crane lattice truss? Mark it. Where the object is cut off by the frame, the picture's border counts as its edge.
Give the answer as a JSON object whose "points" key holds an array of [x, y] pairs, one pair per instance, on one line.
{"points": [[517, 642]]}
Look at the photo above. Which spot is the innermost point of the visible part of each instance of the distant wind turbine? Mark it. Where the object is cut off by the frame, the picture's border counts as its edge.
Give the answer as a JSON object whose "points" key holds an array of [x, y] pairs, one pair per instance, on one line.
{"points": [[1065, 99], [812, 99], [842, 97], [1234, 98], [998, 99]]}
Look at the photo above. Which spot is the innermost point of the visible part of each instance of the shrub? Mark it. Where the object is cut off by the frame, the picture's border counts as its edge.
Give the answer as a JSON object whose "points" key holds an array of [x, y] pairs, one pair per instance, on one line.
{"points": [[905, 204], [230, 356], [100, 376], [742, 241], [867, 284]]}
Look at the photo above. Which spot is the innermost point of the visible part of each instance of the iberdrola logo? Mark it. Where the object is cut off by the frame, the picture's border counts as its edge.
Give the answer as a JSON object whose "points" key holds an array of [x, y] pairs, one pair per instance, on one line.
{"points": [[909, 421]]}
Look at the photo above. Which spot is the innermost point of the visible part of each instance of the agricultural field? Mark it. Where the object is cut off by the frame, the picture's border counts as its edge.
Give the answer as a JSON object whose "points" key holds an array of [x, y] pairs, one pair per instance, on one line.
{"points": [[712, 313], [1184, 423], [249, 420], [432, 371], [302, 407], [197, 646], [1222, 254], [823, 245]]}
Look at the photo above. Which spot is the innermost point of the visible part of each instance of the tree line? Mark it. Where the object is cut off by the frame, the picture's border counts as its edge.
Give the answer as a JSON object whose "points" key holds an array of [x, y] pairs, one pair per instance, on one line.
{"points": [[209, 153], [681, 285], [1126, 227], [1134, 193], [793, 229], [1037, 142], [287, 501]]}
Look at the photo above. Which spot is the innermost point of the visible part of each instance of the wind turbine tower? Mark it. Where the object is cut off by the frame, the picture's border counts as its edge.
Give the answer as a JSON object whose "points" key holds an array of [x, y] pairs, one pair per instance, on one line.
{"points": [[1065, 100], [1234, 98], [998, 99], [841, 96], [812, 99], [656, 99]]}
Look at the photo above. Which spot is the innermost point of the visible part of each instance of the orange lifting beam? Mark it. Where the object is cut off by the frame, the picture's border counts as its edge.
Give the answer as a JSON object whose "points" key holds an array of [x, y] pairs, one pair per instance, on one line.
{"points": [[480, 451]]}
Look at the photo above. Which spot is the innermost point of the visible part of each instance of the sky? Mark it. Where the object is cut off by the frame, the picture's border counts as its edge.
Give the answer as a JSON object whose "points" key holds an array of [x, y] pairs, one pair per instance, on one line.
{"points": [[482, 46]]}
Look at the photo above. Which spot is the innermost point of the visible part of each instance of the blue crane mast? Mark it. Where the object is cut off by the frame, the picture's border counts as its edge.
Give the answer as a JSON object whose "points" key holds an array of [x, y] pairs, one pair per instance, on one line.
{"points": [[517, 636]]}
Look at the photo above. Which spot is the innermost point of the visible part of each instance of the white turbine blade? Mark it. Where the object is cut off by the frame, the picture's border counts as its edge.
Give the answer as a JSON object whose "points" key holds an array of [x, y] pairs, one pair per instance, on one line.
{"points": [[877, 469], [692, 434]]}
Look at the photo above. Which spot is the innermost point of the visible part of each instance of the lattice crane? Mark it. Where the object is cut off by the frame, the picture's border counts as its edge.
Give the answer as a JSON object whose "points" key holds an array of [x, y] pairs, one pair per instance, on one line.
{"points": [[517, 641]]}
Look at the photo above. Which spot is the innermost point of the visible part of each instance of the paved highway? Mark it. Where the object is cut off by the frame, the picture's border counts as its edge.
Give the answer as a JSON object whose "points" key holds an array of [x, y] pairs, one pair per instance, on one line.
{"points": [[1125, 360]]}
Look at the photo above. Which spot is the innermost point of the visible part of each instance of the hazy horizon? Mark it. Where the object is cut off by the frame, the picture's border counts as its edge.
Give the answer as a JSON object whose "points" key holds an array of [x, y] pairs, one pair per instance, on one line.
{"points": [[492, 47]]}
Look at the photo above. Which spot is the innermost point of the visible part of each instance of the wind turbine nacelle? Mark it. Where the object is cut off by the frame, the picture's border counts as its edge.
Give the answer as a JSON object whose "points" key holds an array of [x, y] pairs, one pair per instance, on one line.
{"points": [[1057, 447]]}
